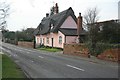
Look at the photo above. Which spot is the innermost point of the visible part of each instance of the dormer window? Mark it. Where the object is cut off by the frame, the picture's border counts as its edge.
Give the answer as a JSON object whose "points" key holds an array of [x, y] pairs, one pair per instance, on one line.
{"points": [[40, 29], [52, 26]]}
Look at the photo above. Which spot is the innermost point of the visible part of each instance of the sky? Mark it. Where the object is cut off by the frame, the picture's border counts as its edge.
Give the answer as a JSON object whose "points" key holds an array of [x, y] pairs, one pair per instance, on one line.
{"points": [[29, 13]]}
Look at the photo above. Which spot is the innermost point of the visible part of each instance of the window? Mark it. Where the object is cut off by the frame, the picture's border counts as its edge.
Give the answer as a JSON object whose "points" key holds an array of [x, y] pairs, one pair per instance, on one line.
{"points": [[37, 40], [101, 28], [47, 40], [60, 40], [52, 26], [41, 40]]}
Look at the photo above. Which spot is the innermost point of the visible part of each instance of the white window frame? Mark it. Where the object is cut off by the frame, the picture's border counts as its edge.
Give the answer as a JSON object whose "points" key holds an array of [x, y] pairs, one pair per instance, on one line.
{"points": [[47, 40], [51, 26], [41, 40], [60, 39]]}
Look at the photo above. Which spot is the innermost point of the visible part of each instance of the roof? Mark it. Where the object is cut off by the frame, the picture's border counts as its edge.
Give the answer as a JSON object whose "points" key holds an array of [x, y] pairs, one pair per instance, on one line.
{"points": [[56, 20], [107, 21], [71, 32]]}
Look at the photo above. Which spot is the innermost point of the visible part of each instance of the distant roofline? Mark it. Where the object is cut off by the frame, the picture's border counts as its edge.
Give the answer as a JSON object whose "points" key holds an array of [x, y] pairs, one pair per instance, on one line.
{"points": [[108, 20], [117, 20]]}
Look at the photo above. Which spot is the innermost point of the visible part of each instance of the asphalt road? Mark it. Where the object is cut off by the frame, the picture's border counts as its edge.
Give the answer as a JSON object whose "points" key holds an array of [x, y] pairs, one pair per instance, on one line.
{"points": [[41, 64]]}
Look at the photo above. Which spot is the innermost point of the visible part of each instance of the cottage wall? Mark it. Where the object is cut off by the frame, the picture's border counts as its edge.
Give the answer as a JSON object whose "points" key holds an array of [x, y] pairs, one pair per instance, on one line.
{"points": [[37, 39], [69, 23], [71, 39], [43, 40]]}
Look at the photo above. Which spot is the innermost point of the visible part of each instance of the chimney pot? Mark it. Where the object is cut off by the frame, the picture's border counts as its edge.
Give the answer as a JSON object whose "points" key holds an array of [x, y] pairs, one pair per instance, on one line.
{"points": [[56, 8], [56, 4], [79, 14], [47, 14]]}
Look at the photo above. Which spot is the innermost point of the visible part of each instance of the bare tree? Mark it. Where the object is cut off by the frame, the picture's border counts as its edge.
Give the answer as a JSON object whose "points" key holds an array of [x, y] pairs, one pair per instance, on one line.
{"points": [[90, 18], [4, 12]]}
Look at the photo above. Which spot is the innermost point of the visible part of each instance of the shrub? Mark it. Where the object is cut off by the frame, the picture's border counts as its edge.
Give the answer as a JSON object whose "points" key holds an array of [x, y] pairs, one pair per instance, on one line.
{"points": [[101, 47]]}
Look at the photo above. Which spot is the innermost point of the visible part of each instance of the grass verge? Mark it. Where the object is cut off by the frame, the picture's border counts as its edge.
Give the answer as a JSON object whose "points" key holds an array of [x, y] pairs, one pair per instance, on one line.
{"points": [[10, 69], [0, 66], [49, 49]]}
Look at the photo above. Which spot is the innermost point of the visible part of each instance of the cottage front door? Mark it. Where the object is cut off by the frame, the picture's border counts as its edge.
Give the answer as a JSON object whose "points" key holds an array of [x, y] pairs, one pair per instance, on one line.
{"points": [[52, 42]]}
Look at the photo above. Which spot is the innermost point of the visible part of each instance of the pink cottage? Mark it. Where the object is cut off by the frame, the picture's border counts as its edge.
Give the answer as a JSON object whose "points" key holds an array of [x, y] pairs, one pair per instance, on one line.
{"points": [[59, 28]]}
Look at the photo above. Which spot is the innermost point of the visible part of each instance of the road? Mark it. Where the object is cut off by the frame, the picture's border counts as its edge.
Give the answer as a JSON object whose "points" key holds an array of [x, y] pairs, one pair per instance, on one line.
{"points": [[41, 64]]}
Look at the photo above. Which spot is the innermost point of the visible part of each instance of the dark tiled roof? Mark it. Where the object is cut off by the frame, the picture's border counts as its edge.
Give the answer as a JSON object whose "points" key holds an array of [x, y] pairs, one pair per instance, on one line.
{"points": [[71, 32], [36, 32], [56, 19]]}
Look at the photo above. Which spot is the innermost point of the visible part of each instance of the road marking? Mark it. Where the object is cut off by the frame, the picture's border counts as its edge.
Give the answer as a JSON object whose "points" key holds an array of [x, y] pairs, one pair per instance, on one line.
{"points": [[75, 67], [32, 61], [14, 55], [1, 53], [20, 50], [16, 61], [28, 52], [41, 57]]}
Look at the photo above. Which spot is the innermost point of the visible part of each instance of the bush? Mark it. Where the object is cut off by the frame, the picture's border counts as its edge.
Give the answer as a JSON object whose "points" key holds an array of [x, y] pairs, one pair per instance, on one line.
{"points": [[101, 47]]}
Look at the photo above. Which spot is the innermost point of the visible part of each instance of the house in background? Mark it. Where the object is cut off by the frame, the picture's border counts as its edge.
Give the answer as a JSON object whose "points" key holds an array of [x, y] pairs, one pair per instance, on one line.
{"points": [[101, 24], [58, 28]]}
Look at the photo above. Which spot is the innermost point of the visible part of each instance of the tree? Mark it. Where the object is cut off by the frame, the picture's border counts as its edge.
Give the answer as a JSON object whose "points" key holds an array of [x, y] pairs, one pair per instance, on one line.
{"points": [[90, 18], [111, 32], [4, 12], [25, 35]]}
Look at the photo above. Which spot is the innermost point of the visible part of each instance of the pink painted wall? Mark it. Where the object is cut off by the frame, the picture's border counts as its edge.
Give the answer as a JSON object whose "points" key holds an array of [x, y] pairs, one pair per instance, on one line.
{"points": [[71, 39], [69, 23], [57, 44], [37, 38], [55, 39]]}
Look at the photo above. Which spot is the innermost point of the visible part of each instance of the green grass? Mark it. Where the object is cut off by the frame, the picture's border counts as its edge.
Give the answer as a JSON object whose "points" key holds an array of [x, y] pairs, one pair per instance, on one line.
{"points": [[10, 69], [50, 49], [0, 66]]}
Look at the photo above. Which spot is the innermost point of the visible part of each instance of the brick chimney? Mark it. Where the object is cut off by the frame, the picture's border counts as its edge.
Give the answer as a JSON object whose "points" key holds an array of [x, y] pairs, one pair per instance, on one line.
{"points": [[56, 9], [47, 14], [79, 26]]}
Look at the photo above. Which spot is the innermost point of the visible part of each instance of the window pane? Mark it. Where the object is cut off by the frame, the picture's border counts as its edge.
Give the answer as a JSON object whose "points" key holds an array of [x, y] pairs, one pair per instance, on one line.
{"points": [[47, 40], [60, 40]]}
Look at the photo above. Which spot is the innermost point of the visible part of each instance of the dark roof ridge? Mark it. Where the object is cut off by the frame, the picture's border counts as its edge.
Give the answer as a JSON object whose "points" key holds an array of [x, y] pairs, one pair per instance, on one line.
{"points": [[69, 28]]}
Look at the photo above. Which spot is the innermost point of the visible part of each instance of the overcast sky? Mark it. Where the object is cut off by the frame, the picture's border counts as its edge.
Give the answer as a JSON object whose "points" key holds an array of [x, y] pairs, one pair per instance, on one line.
{"points": [[28, 13]]}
